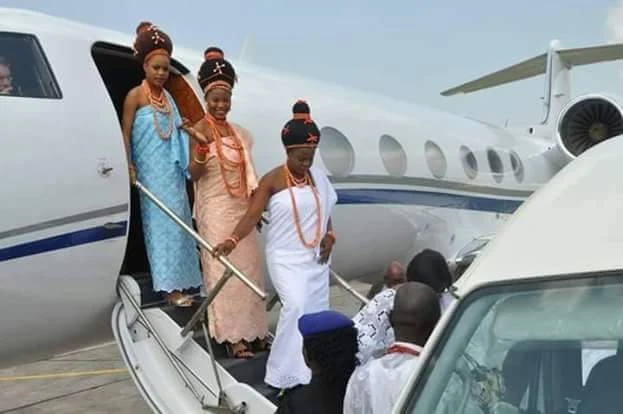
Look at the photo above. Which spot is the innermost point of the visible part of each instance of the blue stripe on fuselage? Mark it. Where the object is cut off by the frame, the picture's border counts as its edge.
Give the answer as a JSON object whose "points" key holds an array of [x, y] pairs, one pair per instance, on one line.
{"points": [[428, 199], [64, 241], [346, 196]]}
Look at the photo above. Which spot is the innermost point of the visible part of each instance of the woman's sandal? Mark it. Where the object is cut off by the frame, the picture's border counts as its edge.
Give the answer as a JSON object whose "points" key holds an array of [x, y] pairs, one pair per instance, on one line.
{"points": [[263, 345], [241, 353], [179, 300]]}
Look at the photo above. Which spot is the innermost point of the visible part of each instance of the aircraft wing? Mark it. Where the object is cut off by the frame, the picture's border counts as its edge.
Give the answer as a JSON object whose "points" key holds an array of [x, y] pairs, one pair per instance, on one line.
{"points": [[588, 55], [523, 70], [538, 66]]}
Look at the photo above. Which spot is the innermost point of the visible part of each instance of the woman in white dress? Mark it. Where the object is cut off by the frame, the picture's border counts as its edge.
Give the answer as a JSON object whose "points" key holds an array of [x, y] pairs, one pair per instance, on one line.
{"points": [[299, 240]]}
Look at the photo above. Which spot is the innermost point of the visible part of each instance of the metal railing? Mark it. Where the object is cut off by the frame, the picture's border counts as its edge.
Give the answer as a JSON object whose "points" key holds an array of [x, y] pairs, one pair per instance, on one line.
{"points": [[222, 259], [160, 342], [347, 287], [200, 313]]}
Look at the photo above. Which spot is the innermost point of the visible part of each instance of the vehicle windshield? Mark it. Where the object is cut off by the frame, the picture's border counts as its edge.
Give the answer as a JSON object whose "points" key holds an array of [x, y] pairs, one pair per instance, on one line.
{"points": [[538, 348]]}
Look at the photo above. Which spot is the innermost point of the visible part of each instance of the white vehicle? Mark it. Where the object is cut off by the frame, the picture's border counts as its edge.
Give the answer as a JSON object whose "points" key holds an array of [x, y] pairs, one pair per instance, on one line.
{"points": [[407, 178], [538, 323]]}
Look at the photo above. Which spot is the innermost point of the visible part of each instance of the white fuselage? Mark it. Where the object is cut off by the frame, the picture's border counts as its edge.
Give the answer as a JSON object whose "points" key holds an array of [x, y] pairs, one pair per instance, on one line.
{"points": [[63, 220]]}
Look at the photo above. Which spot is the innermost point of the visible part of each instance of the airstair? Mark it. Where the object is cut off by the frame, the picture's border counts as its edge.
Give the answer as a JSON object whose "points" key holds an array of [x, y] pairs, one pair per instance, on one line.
{"points": [[174, 363]]}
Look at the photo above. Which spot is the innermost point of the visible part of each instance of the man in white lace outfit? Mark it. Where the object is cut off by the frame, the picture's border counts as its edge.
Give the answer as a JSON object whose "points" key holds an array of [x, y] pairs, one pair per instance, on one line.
{"points": [[372, 321], [374, 387]]}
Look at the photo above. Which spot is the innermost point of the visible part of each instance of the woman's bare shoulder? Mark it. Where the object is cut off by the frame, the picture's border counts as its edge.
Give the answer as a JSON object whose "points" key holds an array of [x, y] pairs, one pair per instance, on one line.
{"points": [[244, 133]]}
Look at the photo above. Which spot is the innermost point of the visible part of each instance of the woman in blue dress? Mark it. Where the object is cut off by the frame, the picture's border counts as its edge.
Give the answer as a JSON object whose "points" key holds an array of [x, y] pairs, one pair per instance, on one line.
{"points": [[157, 151]]}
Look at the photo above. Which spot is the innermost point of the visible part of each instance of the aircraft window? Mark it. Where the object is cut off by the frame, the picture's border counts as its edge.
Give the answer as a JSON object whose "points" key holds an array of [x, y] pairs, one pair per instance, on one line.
{"points": [[393, 155], [435, 159], [470, 164], [517, 166], [495, 164], [541, 347], [24, 69], [336, 151]]}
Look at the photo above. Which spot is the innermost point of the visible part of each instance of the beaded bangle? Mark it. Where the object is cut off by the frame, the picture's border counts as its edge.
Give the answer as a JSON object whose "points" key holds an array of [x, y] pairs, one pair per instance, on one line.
{"points": [[203, 161], [201, 149], [234, 239]]}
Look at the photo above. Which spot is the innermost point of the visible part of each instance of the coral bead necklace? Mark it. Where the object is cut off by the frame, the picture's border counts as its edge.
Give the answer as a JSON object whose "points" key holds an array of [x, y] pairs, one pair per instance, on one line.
{"points": [[291, 181], [239, 188], [160, 104]]}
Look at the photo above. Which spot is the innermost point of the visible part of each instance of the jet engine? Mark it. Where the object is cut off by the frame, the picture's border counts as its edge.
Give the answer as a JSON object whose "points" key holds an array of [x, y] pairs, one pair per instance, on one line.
{"points": [[585, 122]]}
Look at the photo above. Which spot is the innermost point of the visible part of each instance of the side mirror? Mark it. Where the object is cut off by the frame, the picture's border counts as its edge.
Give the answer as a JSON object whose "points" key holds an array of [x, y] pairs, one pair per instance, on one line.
{"points": [[467, 254]]}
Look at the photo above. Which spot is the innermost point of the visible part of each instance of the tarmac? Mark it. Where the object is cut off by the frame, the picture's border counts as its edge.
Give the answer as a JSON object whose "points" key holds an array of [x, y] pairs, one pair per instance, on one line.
{"points": [[95, 380]]}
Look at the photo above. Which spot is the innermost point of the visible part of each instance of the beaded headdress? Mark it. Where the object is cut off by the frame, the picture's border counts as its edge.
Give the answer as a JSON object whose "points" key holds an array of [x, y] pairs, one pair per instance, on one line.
{"points": [[216, 74], [151, 41], [301, 130]]}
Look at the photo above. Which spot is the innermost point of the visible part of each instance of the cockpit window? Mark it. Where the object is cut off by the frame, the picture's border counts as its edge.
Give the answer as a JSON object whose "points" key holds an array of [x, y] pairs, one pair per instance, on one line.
{"points": [[24, 70], [542, 348]]}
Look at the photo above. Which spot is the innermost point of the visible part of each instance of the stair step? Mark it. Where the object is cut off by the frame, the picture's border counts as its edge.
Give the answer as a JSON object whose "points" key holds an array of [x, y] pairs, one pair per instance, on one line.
{"points": [[181, 316], [220, 352], [151, 299], [267, 391], [249, 371]]}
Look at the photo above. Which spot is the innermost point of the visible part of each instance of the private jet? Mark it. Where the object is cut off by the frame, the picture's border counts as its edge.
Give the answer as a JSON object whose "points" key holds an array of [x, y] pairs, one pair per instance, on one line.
{"points": [[408, 177]]}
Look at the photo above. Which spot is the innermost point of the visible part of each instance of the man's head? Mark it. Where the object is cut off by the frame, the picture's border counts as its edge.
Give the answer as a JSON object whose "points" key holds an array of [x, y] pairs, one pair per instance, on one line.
{"points": [[6, 78], [395, 274], [330, 347], [213, 52], [415, 314]]}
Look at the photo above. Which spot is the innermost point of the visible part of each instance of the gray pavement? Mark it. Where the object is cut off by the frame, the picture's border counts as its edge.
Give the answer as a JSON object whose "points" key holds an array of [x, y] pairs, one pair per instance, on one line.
{"points": [[94, 380]]}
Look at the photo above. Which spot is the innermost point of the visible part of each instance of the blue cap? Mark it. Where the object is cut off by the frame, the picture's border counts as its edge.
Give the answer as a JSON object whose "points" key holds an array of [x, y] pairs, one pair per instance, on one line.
{"points": [[314, 323]]}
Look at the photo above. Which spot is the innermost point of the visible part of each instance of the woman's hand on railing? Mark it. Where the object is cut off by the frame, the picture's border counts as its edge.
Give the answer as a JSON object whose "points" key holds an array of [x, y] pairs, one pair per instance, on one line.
{"points": [[223, 249]]}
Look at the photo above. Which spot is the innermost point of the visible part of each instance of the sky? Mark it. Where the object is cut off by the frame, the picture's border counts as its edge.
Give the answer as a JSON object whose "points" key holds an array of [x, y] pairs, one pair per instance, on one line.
{"points": [[410, 50]]}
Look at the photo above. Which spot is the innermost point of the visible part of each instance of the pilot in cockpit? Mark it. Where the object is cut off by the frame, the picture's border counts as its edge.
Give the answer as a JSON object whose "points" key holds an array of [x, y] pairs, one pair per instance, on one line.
{"points": [[6, 78]]}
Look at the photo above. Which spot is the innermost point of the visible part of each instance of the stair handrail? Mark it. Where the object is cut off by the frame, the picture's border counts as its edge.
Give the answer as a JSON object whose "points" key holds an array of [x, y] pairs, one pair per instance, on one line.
{"points": [[230, 268], [161, 343], [203, 243], [346, 286], [200, 313]]}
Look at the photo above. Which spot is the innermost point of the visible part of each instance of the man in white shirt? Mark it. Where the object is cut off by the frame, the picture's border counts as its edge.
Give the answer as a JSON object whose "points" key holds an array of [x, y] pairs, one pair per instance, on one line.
{"points": [[374, 387]]}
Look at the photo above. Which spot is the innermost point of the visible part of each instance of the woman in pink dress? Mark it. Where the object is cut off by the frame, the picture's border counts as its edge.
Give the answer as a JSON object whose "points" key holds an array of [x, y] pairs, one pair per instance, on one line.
{"points": [[225, 178]]}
